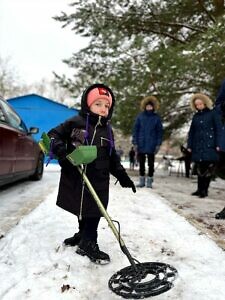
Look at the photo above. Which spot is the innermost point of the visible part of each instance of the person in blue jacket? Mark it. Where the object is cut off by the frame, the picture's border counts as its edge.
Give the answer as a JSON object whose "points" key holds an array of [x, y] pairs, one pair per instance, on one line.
{"points": [[220, 107], [204, 141], [147, 138], [220, 99]]}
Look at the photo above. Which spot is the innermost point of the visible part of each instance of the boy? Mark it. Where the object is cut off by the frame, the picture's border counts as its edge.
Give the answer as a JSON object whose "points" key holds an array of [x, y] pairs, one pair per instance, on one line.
{"points": [[90, 127]]}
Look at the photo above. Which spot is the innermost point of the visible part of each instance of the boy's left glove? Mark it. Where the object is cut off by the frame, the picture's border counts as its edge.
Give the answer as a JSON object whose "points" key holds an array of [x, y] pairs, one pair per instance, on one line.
{"points": [[125, 181]]}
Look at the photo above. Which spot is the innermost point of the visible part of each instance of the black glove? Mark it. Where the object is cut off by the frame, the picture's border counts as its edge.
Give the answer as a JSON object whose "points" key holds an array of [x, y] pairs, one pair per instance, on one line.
{"points": [[126, 182], [65, 164]]}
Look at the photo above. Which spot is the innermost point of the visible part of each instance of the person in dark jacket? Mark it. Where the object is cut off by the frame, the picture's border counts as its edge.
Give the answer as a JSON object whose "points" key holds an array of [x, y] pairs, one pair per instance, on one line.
{"points": [[147, 138], [204, 139], [220, 107], [90, 127], [220, 99]]}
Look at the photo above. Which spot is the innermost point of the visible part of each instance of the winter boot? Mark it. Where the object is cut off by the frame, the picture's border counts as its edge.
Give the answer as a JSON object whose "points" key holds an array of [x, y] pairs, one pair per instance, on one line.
{"points": [[74, 240], [202, 194], [201, 188], [149, 182], [141, 181], [196, 193], [204, 185], [90, 249], [221, 215]]}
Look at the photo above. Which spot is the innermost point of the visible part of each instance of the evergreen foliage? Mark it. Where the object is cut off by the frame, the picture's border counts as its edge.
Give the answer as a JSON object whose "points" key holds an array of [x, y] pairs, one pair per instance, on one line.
{"points": [[166, 48]]}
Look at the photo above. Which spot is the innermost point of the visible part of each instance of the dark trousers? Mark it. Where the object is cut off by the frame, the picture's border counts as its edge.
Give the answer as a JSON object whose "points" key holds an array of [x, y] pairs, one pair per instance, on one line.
{"points": [[142, 159], [88, 227]]}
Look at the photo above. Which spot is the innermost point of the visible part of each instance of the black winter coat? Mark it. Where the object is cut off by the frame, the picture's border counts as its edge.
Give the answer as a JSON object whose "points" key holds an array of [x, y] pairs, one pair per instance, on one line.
{"points": [[98, 172], [205, 135]]}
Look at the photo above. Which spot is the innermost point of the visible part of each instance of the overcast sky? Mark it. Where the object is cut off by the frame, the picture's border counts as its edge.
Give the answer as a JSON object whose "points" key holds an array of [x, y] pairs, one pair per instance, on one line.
{"points": [[35, 43]]}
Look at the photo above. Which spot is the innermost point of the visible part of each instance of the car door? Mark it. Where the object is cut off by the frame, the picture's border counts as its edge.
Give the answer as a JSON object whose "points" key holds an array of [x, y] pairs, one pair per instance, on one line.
{"points": [[24, 156], [8, 140]]}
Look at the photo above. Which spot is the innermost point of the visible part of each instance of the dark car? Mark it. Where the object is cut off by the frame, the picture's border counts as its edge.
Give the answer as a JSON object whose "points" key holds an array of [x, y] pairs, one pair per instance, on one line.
{"points": [[20, 154]]}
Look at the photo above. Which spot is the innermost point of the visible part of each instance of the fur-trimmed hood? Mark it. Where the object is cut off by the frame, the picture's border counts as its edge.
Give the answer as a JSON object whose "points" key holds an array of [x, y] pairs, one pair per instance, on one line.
{"points": [[151, 99], [206, 100]]}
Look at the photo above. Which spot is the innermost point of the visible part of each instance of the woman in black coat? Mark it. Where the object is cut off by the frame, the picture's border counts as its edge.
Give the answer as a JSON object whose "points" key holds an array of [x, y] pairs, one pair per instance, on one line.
{"points": [[90, 127], [204, 140]]}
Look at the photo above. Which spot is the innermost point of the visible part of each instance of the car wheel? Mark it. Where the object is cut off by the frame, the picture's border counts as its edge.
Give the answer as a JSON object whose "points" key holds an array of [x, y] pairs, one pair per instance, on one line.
{"points": [[39, 169]]}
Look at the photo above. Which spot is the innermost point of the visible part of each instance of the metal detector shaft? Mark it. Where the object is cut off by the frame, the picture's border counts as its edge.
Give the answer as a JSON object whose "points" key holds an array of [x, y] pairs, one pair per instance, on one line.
{"points": [[107, 217]]}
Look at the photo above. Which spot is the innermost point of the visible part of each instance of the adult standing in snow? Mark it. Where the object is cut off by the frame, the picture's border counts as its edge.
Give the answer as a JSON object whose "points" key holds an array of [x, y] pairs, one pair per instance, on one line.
{"points": [[90, 127], [220, 107], [204, 141], [147, 138]]}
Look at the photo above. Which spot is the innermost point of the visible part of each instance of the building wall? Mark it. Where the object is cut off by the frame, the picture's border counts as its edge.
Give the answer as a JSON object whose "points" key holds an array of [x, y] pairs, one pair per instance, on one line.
{"points": [[41, 112], [37, 111]]}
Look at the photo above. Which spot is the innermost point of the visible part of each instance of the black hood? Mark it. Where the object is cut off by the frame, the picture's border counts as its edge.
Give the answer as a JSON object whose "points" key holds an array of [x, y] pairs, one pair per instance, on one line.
{"points": [[84, 107]]}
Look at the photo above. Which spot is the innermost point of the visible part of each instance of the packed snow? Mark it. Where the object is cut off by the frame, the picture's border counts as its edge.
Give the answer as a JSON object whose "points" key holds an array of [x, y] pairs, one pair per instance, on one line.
{"points": [[34, 264]]}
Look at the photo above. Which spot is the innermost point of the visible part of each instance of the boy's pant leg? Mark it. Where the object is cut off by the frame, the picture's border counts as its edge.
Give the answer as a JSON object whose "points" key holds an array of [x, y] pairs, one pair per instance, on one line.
{"points": [[90, 228]]}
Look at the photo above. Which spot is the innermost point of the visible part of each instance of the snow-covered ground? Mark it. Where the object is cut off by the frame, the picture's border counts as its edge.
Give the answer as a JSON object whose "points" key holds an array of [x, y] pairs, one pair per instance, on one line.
{"points": [[35, 265]]}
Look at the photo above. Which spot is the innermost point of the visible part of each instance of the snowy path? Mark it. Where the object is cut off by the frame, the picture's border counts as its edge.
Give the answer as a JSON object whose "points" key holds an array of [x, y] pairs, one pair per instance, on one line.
{"points": [[22, 197], [35, 265]]}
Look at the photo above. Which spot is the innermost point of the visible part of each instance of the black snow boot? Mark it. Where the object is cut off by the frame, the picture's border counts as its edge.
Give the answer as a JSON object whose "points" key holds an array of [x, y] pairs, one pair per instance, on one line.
{"points": [[221, 215], [203, 194], [201, 190], [196, 193], [74, 240], [90, 249], [205, 181]]}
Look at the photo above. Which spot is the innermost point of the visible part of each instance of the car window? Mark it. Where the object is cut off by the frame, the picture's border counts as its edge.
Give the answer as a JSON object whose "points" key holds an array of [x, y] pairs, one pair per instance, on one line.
{"points": [[13, 118]]}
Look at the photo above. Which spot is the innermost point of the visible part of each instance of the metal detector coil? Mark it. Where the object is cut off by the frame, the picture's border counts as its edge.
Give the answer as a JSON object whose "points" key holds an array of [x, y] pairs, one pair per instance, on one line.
{"points": [[150, 279]]}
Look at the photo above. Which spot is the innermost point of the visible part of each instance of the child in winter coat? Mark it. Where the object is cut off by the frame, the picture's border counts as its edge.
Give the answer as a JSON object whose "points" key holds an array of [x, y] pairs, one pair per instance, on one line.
{"points": [[90, 127], [204, 140], [147, 138]]}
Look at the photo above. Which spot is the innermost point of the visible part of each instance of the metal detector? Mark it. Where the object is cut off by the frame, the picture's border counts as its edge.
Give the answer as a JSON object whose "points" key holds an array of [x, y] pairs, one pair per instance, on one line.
{"points": [[139, 280]]}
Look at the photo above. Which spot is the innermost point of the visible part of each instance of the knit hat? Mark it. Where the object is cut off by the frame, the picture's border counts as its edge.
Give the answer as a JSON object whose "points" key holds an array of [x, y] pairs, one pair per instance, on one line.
{"points": [[99, 93]]}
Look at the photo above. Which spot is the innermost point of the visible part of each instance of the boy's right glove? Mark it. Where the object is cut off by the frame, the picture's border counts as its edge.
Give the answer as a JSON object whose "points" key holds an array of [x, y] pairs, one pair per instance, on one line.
{"points": [[126, 182]]}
